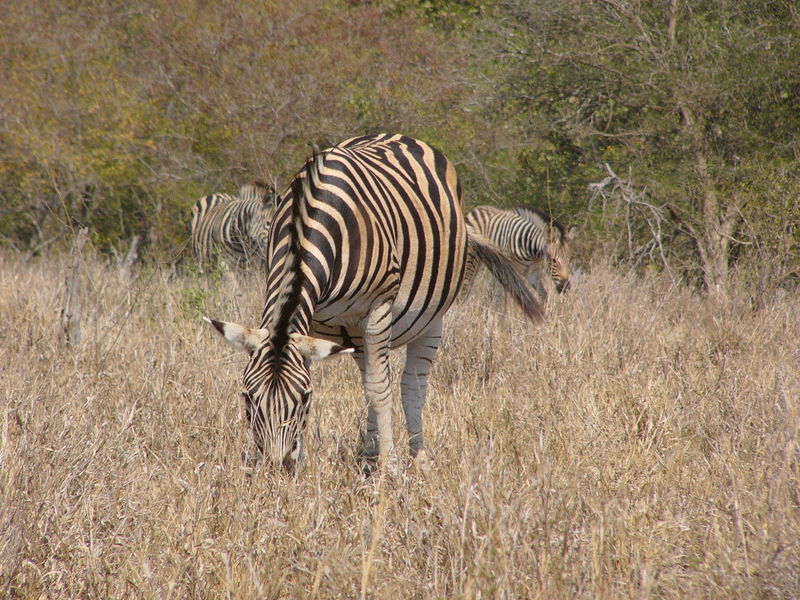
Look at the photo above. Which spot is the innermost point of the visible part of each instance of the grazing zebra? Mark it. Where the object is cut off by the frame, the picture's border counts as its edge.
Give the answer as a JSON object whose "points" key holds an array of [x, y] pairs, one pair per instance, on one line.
{"points": [[529, 237], [367, 251], [235, 227]]}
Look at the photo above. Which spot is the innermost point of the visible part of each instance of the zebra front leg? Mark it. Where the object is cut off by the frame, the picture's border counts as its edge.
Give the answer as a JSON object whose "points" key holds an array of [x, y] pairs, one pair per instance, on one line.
{"points": [[414, 385], [377, 381]]}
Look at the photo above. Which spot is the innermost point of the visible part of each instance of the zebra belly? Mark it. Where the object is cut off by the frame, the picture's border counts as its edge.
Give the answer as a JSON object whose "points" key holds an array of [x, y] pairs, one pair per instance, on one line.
{"points": [[343, 322]]}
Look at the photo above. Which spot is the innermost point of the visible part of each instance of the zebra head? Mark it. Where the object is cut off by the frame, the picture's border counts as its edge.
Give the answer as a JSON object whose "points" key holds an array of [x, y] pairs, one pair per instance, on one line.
{"points": [[558, 254], [558, 239], [277, 386]]}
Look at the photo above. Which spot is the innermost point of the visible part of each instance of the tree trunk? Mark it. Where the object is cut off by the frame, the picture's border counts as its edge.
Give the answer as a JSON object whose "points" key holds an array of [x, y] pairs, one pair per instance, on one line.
{"points": [[70, 330], [713, 235]]}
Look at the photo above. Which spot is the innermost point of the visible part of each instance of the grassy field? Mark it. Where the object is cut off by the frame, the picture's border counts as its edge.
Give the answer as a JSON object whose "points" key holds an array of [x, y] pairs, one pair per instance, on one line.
{"points": [[642, 443]]}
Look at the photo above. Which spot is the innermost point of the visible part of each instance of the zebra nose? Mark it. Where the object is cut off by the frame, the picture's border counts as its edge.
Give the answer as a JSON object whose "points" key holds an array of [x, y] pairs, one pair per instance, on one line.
{"points": [[562, 286], [289, 464]]}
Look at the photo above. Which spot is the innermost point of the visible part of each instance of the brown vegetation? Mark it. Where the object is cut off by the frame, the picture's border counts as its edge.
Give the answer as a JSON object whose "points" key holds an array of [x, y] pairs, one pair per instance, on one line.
{"points": [[642, 442]]}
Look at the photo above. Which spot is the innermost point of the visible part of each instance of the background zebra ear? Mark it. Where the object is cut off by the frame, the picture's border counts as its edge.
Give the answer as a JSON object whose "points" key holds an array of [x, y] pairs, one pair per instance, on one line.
{"points": [[570, 235], [240, 337], [317, 349], [270, 199]]}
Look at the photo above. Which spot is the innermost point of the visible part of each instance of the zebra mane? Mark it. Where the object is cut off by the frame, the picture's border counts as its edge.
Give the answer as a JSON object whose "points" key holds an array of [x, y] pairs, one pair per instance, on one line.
{"points": [[286, 305], [257, 190], [546, 218]]}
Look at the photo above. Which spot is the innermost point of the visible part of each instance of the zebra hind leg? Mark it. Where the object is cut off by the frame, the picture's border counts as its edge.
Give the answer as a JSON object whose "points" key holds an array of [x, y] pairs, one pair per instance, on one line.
{"points": [[375, 375], [369, 435], [414, 387]]}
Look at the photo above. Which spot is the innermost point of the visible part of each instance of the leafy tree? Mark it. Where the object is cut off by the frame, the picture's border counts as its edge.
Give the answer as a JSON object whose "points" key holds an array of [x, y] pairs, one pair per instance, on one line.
{"points": [[120, 116], [700, 99]]}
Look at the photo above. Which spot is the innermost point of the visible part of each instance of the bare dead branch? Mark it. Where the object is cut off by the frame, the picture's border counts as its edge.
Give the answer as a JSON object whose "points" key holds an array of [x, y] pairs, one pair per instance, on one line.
{"points": [[70, 326], [614, 189]]}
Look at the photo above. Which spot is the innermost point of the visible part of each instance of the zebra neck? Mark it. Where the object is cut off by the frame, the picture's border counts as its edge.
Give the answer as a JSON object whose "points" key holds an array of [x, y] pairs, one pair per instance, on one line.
{"points": [[291, 301], [535, 243]]}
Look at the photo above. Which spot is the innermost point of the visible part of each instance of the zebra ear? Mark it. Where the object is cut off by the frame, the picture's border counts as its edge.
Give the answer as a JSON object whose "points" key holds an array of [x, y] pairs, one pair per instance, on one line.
{"points": [[270, 199], [316, 348], [570, 235], [240, 337]]}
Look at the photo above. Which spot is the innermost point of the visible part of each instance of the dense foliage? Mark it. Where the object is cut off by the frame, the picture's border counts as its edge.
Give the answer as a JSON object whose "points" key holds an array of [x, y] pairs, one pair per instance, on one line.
{"points": [[119, 116], [701, 100]]}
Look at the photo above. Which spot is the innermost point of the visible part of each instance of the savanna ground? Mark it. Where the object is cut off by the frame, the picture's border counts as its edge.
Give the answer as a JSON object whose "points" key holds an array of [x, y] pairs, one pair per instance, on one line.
{"points": [[642, 443]]}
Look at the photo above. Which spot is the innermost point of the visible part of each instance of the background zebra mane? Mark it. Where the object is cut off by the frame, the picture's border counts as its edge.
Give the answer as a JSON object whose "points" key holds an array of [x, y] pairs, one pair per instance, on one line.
{"points": [[546, 218], [288, 301], [256, 190]]}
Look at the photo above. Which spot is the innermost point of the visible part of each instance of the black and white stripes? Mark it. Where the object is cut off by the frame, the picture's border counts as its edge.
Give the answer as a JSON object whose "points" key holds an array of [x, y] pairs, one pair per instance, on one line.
{"points": [[530, 237], [233, 228]]}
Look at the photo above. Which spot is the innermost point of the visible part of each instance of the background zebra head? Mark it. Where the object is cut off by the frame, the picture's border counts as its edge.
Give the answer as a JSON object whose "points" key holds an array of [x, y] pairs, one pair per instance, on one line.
{"points": [[558, 241], [277, 386], [559, 255]]}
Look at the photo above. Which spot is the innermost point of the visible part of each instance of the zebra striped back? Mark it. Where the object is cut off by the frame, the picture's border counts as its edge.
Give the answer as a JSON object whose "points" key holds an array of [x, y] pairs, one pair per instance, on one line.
{"points": [[201, 208], [233, 227], [381, 216], [527, 236], [367, 251]]}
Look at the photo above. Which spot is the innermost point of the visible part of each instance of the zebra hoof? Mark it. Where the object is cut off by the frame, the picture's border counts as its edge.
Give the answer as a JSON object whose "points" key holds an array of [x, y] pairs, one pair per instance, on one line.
{"points": [[370, 467], [375, 465], [422, 462]]}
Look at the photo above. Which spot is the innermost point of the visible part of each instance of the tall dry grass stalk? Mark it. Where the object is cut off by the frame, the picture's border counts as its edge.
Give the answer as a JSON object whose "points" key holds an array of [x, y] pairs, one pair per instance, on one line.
{"points": [[642, 443]]}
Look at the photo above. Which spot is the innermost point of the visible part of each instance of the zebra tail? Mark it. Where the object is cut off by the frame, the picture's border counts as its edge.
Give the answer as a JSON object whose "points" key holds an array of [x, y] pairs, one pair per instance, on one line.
{"points": [[501, 267]]}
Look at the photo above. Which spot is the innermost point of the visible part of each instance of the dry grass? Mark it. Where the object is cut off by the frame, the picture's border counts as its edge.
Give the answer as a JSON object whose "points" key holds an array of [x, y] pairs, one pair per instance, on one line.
{"points": [[642, 443]]}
